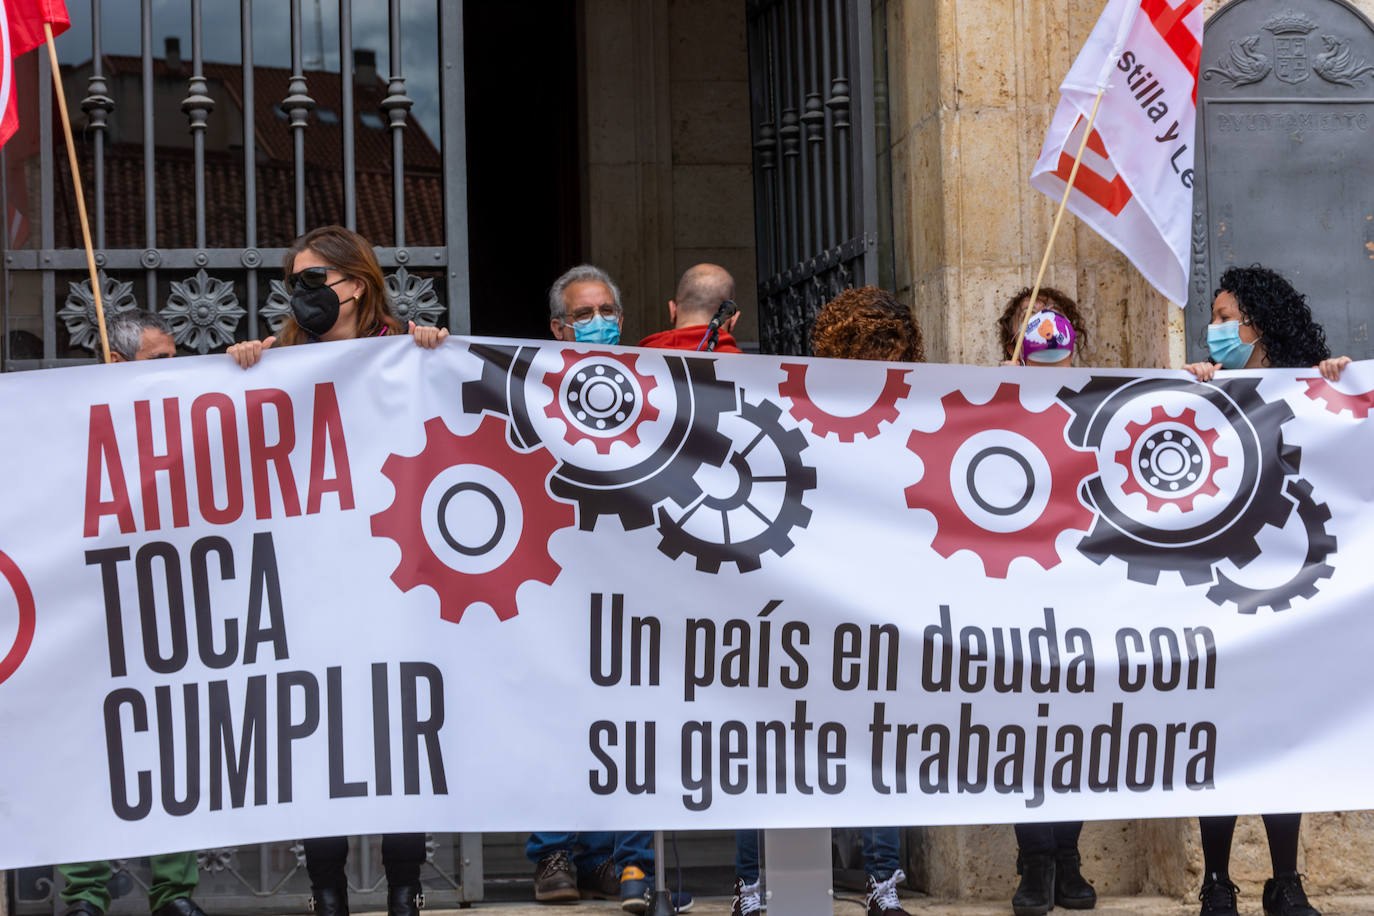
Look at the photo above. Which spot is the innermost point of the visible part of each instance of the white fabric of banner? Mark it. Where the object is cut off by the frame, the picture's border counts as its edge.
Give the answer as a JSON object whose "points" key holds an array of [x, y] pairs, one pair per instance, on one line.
{"points": [[1135, 184], [365, 587]]}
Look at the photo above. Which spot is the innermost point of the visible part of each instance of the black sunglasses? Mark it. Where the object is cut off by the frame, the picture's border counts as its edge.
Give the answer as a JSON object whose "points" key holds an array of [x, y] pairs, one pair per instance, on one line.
{"points": [[310, 278]]}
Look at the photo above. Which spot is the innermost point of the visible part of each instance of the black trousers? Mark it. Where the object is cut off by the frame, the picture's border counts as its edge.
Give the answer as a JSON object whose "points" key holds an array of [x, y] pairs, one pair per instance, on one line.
{"points": [[402, 856], [1040, 839], [1283, 842]]}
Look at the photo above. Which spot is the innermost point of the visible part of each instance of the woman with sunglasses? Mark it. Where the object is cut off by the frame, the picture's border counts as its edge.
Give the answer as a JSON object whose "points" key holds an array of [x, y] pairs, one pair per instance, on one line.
{"points": [[337, 293], [1259, 321]]}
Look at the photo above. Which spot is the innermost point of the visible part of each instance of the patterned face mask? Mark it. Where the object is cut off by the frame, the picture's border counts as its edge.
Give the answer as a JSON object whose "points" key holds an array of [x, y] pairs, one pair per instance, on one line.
{"points": [[1049, 337]]}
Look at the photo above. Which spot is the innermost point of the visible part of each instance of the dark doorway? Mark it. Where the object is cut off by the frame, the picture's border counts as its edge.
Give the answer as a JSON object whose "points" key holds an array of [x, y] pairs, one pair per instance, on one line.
{"points": [[524, 160]]}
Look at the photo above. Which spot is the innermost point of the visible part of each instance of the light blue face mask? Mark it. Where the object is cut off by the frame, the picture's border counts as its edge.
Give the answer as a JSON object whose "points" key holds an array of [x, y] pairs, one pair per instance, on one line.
{"points": [[1226, 347], [598, 330]]}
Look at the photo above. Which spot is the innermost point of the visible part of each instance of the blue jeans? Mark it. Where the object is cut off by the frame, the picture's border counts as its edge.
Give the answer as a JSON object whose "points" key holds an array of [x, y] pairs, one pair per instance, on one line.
{"points": [[588, 850], [747, 856], [881, 853]]}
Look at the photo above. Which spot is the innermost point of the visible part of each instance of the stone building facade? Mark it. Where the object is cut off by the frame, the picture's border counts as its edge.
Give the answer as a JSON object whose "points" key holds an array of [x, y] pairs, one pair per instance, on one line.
{"points": [[971, 88], [667, 180]]}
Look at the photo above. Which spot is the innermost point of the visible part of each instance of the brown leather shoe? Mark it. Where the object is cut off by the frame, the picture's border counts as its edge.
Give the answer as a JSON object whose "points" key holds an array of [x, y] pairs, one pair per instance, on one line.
{"points": [[555, 879], [601, 884]]}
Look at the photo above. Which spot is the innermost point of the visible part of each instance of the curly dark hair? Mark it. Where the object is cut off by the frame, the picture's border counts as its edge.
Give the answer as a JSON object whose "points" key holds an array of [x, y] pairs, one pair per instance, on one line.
{"points": [[1010, 322], [868, 323], [1291, 338]]}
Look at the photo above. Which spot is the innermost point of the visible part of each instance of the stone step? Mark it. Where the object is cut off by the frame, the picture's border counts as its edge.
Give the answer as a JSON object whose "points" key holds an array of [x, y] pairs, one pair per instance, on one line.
{"points": [[849, 905]]}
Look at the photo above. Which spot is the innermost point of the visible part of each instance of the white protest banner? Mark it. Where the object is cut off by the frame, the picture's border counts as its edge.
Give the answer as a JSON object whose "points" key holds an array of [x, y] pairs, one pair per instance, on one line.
{"points": [[1134, 186], [364, 587]]}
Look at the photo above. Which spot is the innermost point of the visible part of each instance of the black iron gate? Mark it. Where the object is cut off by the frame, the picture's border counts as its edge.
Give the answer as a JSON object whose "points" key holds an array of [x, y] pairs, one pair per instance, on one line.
{"points": [[811, 81], [200, 170]]}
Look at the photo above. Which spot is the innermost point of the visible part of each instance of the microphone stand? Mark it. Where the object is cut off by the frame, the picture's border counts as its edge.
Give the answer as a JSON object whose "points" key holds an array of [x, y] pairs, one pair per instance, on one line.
{"points": [[723, 314]]}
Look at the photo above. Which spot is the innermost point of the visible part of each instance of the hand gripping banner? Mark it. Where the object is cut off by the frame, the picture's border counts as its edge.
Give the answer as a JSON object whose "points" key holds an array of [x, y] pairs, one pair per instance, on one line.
{"points": [[365, 587]]}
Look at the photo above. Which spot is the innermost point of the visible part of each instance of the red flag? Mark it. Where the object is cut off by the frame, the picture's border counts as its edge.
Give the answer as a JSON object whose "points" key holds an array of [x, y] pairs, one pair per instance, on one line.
{"points": [[21, 30]]}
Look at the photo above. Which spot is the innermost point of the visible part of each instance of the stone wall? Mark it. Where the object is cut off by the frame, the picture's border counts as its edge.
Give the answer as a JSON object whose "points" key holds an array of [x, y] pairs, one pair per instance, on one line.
{"points": [[973, 87], [669, 162]]}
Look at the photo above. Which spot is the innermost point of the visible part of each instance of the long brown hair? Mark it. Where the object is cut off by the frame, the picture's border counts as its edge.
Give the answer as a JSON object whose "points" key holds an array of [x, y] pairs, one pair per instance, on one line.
{"points": [[355, 259]]}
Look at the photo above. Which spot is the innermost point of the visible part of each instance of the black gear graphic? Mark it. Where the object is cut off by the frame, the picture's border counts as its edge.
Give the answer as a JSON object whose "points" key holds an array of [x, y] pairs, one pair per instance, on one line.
{"points": [[1320, 546], [797, 478], [1230, 534], [628, 493]]}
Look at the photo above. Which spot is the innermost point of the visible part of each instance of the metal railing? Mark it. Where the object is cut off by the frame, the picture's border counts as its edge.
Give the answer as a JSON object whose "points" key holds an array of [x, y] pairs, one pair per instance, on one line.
{"points": [[208, 285], [815, 188], [206, 274]]}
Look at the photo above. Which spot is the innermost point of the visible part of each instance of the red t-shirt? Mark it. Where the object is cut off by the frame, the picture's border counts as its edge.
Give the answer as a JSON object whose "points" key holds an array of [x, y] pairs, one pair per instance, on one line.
{"points": [[689, 339]]}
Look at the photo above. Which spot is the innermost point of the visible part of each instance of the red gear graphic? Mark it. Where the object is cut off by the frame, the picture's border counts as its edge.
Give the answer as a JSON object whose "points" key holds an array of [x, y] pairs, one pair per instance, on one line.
{"points": [[527, 472], [1337, 402], [28, 616], [956, 531], [866, 424], [573, 431], [1208, 437]]}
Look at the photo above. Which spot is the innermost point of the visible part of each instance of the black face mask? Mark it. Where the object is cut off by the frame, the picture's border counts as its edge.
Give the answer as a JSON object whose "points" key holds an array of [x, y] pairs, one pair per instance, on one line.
{"points": [[315, 309]]}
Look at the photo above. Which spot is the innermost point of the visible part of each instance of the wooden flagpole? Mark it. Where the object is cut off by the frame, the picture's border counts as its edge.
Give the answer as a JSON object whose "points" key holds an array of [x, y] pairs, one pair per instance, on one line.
{"points": [[1054, 230], [80, 195]]}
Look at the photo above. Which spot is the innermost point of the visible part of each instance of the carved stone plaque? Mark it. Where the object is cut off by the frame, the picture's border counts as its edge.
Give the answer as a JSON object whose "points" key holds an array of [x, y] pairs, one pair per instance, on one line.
{"points": [[1285, 159]]}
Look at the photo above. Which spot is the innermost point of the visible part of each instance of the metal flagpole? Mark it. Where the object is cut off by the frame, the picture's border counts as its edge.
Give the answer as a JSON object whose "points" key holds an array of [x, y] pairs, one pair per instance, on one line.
{"points": [[80, 195]]}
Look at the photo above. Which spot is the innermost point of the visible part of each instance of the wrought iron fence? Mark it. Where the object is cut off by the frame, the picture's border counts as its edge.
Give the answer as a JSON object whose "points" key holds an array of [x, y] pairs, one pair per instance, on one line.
{"points": [[815, 188], [273, 151], [198, 175], [271, 878]]}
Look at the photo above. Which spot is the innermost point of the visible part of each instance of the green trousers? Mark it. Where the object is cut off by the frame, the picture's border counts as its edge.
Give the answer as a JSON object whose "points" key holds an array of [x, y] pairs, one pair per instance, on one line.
{"points": [[174, 875]]}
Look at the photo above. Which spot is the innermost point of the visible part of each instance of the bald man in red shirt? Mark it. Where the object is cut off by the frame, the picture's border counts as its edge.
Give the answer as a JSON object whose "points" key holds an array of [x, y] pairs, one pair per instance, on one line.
{"points": [[699, 295]]}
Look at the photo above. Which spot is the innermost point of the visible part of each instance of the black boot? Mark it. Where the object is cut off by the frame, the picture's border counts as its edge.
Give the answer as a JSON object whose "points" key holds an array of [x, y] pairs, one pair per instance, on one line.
{"points": [[1035, 894], [329, 901], [1218, 896], [404, 900], [1284, 896], [179, 906], [1071, 889]]}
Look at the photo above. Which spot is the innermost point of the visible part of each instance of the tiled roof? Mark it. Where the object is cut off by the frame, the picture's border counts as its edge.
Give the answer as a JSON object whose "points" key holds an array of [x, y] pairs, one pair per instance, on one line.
{"points": [[224, 171]]}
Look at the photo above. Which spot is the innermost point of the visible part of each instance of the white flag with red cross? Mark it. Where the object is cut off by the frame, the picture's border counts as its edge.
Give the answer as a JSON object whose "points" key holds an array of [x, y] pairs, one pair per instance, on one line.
{"points": [[1135, 182]]}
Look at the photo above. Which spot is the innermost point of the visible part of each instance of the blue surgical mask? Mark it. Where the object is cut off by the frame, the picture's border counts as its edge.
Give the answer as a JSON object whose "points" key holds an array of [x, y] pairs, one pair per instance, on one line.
{"points": [[599, 330], [1226, 347]]}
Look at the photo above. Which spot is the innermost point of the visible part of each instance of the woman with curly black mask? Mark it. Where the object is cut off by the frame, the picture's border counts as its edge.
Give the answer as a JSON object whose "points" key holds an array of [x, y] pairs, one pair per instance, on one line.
{"points": [[1259, 321]]}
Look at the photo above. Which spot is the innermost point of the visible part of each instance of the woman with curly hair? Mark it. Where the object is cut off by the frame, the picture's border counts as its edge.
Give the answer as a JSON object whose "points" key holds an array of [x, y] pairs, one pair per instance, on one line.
{"points": [[868, 323], [1043, 333], [1259, 321]]}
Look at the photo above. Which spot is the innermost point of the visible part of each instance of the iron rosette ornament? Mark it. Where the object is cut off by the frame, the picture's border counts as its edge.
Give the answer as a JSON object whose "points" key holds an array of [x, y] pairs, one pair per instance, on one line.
{"points": [[278, 307], [79, 311], [413, 298], [203, 312]]}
